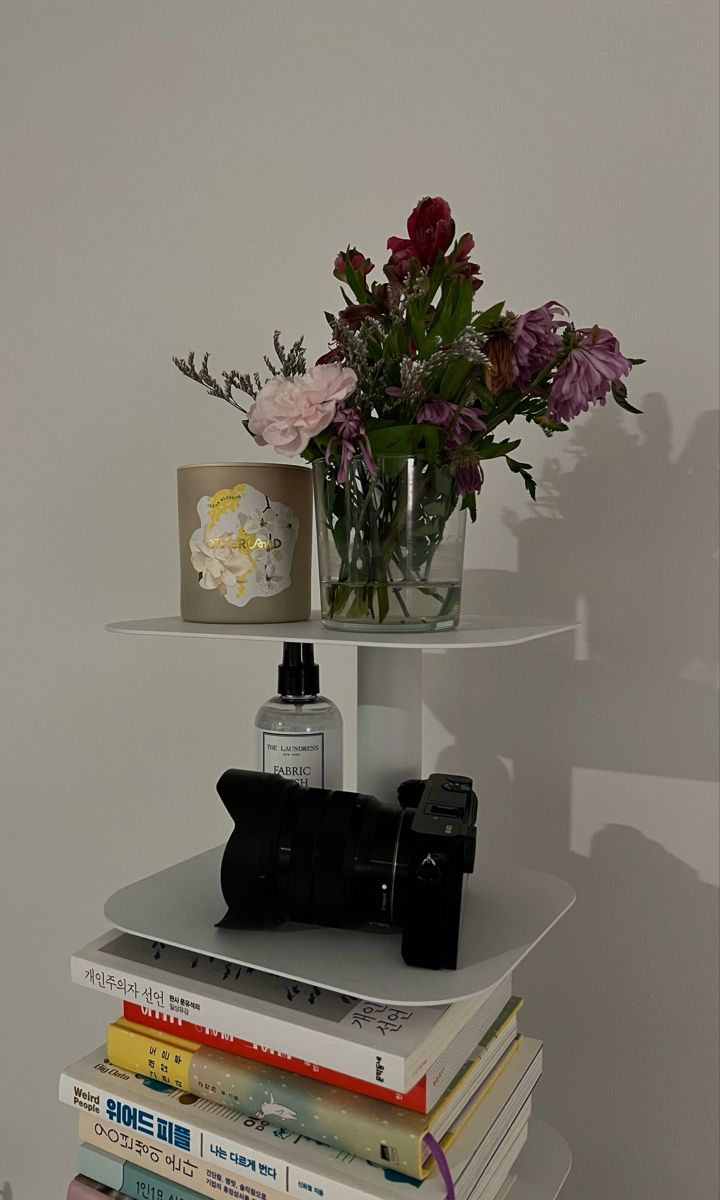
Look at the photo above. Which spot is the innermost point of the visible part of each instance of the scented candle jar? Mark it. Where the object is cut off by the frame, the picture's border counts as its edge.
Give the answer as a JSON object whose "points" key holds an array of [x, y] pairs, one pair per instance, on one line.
{"points": [[245, 542]]}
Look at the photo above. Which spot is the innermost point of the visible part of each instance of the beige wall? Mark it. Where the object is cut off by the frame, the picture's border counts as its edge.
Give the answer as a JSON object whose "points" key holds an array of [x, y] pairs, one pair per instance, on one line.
{"points": [[181, 174]]}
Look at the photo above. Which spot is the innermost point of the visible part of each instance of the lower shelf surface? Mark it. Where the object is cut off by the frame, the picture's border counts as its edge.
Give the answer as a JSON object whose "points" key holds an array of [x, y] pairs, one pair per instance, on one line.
{"points": [[507, 911], [543, 1165]]}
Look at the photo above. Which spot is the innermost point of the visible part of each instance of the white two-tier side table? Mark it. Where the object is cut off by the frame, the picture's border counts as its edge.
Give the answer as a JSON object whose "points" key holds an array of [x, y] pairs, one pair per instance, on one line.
{"points": [[508, 909]]}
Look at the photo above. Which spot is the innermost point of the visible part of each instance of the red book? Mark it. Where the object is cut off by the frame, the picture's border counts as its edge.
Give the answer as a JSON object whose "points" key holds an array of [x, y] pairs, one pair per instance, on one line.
{"points": [[415, 1099]]}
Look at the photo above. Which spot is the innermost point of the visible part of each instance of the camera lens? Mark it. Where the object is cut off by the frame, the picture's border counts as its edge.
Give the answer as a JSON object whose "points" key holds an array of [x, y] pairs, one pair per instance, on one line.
{"points": [[311, 855]]}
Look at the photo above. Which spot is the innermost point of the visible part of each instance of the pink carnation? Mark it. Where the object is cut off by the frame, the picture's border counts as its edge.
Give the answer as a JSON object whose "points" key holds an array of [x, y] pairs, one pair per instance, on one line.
{"points": [[289, 411]]}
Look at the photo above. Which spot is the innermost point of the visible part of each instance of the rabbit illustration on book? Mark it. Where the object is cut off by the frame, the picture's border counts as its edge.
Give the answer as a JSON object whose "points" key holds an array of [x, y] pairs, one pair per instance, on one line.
{"points": [[270, 1108]]}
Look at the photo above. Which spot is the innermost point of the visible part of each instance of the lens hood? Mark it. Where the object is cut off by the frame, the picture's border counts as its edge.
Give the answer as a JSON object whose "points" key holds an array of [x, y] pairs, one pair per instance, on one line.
{"points": [[257, 814]]}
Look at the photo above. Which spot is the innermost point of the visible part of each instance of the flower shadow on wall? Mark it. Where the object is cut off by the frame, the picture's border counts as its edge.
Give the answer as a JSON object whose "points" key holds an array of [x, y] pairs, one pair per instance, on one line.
{"points": [[623, 991]]}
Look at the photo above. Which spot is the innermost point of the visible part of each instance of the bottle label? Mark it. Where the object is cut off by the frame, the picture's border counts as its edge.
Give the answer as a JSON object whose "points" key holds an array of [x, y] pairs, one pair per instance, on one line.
{"points": [[298, 757], [245, 543]]}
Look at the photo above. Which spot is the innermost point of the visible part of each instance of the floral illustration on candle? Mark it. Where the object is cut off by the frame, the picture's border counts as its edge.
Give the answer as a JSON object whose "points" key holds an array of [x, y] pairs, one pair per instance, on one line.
{"points": [[244, 545]]}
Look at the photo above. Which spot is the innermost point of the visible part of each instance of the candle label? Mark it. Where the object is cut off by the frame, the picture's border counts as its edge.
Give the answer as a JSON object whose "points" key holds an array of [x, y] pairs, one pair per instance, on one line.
{"points": [[245, 543]]}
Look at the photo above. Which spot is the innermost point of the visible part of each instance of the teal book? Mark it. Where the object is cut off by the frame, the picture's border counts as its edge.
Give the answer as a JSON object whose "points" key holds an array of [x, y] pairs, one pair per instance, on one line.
{"points": [[132, 1181]]}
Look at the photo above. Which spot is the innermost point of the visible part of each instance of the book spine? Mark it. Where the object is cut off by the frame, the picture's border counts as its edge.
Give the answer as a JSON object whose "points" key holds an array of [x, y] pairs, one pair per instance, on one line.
{"points": [[105, 1151], [140, 1183], [476, 1031], [416, 1100], [120, 1106], [379, 1132], [84, 1188], [331, 1050]]}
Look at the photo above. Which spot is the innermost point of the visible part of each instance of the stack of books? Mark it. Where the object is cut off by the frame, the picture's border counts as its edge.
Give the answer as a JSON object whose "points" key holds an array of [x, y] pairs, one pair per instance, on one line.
{"points": [[222, 1081]]}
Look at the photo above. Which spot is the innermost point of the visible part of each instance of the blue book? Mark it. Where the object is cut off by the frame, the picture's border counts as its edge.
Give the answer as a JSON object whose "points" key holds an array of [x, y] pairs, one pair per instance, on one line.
{"points": [[131, 1180]]}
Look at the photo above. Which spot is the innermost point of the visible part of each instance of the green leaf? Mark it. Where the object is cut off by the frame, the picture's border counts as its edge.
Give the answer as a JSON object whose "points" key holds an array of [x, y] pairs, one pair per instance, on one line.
{"points": [[416, 323], [396, 345], [469, 502], [356, 281], [388, 438], [331, 319], [451, 385], [523, 469], [383, 602], [454, 309], [338, 596], [636, 362], [629, 407], [492, 449], [619, 392], [463, 306], [548, 427], [362, 603], [490, 316]]}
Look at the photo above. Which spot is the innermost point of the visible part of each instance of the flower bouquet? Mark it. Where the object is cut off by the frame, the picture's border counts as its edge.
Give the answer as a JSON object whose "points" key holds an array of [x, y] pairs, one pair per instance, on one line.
{"points": [[401, 413]]}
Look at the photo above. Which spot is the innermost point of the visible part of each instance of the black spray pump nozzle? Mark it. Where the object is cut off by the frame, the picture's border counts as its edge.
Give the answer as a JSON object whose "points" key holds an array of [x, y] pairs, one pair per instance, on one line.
{"points": [[298, 673]]}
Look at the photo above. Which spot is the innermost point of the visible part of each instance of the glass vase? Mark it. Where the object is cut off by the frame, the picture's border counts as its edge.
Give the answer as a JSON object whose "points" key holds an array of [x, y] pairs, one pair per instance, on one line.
{"points": [[390, 545]]}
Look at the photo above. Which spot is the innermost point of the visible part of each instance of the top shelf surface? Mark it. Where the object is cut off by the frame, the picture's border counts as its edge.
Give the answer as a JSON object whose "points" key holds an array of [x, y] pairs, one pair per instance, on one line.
{"points": [[472, 633]]}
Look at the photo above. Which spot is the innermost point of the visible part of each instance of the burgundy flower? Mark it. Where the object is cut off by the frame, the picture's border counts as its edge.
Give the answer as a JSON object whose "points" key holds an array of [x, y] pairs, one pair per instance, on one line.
{"points": [[400, 261], [585, 377], [350, 438], [460, 261], [354, 315], [331, 356], [431, 230], [357, 261], [537, 340], [462, 422], [381, 297]]}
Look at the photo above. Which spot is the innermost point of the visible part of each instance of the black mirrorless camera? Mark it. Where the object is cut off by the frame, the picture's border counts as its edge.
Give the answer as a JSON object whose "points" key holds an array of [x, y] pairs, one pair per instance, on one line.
{"points": [[336, 858]]}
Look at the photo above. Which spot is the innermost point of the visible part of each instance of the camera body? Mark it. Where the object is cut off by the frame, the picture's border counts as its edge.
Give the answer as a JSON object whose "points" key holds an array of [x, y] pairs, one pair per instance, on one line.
{"points": [[348, 860], [441, 853]]}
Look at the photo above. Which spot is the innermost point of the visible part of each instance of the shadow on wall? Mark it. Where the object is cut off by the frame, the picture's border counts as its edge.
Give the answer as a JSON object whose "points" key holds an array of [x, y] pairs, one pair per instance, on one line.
{"points": [[624, 991]]}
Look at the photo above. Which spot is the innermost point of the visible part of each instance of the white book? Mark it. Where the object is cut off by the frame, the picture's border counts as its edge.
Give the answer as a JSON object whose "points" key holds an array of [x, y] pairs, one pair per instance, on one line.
{"points": [[97, 1138], [284, 1160], [391, 1045]]}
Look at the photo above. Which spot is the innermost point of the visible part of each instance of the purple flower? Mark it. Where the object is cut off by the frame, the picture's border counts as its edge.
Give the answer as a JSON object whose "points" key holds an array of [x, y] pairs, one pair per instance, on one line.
{"points": [[537, 340], [469, 477], [351, 438], [585, 377], [461, 421], [435, 412]]}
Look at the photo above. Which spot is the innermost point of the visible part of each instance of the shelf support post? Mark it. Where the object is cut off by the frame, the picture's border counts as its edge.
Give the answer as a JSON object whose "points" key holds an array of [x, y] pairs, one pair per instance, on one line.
{"points": [[389, 719]]}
